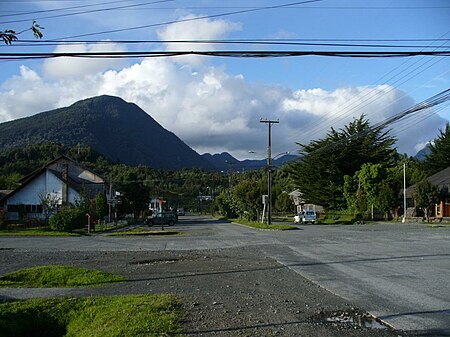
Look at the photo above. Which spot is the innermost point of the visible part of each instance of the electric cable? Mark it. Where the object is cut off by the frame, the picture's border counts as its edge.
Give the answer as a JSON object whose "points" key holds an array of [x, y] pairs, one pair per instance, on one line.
{"points": [[435, 100], [230, 54], [192, 19]]}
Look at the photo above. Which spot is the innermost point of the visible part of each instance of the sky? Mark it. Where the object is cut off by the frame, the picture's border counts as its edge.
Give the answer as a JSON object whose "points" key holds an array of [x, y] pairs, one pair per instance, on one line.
{"points": [[215, 104]]}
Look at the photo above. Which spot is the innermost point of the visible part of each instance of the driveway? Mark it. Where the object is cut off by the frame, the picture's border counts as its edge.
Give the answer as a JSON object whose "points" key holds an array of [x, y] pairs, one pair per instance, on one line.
{"points": [[398, 272]]}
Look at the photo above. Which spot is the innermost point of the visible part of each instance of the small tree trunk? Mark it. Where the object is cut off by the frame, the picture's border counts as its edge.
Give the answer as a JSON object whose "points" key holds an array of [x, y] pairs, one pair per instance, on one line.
{"points": [[425, 210]]}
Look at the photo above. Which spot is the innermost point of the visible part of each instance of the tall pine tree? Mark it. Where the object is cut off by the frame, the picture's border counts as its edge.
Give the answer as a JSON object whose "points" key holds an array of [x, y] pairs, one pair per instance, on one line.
{"points": [[439, 157], [319, 174]]}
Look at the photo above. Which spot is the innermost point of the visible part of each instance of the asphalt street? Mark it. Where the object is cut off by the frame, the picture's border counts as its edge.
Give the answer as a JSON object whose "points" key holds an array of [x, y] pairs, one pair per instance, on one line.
{"points": [[398, 272]]}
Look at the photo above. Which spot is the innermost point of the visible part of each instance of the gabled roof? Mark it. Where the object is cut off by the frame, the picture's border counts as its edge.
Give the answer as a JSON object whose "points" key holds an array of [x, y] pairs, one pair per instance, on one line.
{"points": [[440, 179], [29, 178], [33, 174]]}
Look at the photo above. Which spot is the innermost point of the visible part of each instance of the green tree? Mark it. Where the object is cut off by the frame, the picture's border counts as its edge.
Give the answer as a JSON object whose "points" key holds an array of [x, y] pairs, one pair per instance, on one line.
{"points": [[137, 196], [101, 205], [439, 157], [284, 203], [386, 198], [369, 178], [426, 196], [10, 181], [319, 173], [244, 199], [224, 202], [49, 202]]}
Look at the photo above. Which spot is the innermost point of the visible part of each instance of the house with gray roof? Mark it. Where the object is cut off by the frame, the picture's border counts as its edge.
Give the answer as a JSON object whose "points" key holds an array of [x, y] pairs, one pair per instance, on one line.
{"points": [[442, 181], [62, 179]]}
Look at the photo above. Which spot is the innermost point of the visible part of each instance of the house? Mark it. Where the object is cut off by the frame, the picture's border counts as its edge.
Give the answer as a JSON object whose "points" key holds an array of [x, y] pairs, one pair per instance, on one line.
{"points": [[301, 205], [157, 204], [63, 180], [442, 181]]}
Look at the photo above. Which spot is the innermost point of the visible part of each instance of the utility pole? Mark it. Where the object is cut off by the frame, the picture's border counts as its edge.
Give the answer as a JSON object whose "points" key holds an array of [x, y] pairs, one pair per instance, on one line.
{"points": [[404, 192], [269, 168]]}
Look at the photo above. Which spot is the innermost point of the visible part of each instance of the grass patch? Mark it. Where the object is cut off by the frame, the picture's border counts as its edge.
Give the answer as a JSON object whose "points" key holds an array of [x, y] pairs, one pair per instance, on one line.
{"points": [[338, 219], [142, 231], [34, 232], [57, 276], [438, 226], [259, 225], [126, 316]]}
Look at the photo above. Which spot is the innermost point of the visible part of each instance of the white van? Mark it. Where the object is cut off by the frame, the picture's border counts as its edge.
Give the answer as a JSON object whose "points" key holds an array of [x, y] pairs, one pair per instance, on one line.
{"points": [[305, 217]]}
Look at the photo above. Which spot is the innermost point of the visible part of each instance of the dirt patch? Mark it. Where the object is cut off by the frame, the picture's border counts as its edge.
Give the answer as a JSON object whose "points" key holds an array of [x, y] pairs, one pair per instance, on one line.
{"points": [[227, 292]]}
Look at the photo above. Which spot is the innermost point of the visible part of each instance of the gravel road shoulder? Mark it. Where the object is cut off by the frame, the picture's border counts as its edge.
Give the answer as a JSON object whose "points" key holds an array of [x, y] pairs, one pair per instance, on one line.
{"points": [[226, 292]]}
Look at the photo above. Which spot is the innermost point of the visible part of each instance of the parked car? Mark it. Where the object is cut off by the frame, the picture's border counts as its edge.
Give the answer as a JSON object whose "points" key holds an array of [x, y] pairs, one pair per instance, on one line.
{"points": [[180, 211], [305, 217], [162, 218]]}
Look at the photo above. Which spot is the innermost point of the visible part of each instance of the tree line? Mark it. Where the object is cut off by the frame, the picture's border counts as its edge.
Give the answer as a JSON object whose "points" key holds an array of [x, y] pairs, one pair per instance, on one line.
{"points": [[355, 169]]}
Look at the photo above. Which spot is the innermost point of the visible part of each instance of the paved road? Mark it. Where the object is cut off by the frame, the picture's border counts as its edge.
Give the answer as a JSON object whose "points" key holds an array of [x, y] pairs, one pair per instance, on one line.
{"points": [[398, 272]]}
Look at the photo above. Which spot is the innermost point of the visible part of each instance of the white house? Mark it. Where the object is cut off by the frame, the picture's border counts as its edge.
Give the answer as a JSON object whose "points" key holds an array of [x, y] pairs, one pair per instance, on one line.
{"points": [[156, 205], [62, 179]]}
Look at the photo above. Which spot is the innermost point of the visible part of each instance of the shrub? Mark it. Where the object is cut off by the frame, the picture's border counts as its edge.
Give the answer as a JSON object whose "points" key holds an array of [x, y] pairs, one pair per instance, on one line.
{"points": [[2, 219], [68, 220]]}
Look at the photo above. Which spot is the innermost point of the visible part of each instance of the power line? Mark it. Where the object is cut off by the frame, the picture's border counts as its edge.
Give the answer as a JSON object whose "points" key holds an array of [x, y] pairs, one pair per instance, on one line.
{"points": [[240, 54], [87, 12], [361, 102], [59, 9], [281, 42], [435, 100], [193, 19]]}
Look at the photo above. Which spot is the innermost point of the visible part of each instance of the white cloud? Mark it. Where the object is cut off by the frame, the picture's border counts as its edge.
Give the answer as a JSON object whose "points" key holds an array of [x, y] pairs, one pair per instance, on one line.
{"points": [[214, 111], [210, 109], [70, 67], [202, 29]]}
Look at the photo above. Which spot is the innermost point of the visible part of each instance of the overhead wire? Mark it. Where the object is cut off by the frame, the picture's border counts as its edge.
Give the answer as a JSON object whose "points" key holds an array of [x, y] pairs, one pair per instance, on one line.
{"points": [[62, 9], [86, 12], [264, 42], [203, 17], [371, 96], [230, 54], [442, 97]]}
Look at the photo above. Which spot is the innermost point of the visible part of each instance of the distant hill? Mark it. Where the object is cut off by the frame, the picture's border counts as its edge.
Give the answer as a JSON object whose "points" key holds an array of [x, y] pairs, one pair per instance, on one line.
{"points": [[423, 153], [225, 162], [121, 131]]}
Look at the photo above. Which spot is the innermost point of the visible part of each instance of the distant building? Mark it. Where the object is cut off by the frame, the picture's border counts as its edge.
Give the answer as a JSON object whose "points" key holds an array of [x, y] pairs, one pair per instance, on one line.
{"points": [[301, 205], [63, 179], [156, 205], [442, 181]]}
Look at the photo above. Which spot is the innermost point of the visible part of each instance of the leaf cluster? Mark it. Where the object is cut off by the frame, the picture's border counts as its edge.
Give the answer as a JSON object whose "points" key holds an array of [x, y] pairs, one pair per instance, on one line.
{"points": [[320, 172], [439, 157]]}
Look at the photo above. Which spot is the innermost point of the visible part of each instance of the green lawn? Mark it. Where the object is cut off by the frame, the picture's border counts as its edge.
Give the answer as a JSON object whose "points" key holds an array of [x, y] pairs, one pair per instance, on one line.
{"points": [[57, 276], [259, 225], [35, 232], [125, 316]]}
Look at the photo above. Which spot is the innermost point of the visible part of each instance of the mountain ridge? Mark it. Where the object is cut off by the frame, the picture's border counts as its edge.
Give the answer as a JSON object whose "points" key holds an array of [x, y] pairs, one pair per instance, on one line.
{"points": [[226, 162], [121, 131]]}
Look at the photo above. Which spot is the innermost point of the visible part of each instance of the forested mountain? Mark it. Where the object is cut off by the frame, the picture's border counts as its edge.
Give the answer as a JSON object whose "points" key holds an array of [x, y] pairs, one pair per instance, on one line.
{"points": [[121, 131]]}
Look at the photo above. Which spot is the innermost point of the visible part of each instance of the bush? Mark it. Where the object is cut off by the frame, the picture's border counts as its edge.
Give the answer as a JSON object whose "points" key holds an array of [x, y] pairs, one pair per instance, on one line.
{"points": [[2, 219], [68, 220]]}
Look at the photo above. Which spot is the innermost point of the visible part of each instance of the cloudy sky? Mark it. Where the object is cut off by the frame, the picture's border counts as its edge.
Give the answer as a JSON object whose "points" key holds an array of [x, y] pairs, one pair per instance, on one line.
{"points": [[215, 103]]}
